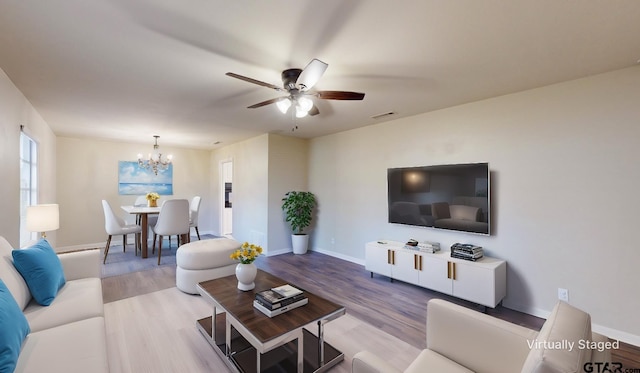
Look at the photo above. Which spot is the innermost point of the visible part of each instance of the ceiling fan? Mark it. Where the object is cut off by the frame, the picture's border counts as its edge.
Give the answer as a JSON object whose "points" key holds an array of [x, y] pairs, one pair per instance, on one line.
{"points": [[297, 84]]}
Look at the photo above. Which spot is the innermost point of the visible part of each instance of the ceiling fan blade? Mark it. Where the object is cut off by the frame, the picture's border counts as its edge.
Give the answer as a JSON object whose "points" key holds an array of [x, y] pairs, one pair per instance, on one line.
{"points": [[314, 111], [264, 103], [340, 95], [254, 81], [311, 74]]}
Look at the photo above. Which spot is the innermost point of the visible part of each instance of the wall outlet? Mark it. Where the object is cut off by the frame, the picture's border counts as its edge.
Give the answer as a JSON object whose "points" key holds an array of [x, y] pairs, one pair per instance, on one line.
{"points": [[563, 294]]}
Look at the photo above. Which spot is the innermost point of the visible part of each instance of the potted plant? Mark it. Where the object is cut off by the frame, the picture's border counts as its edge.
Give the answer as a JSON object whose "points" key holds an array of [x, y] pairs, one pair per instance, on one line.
{"points": [[298, 207]]}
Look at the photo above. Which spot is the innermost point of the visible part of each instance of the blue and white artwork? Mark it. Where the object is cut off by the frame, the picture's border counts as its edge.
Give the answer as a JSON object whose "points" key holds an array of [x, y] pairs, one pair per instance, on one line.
{"points": [[136, 180]]}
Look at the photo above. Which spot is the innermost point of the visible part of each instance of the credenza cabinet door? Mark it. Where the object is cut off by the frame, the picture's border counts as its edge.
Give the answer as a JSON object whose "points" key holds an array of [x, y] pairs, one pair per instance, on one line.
{"points": [[405, 267], [434, 274], [378, 259], [478, 284]]}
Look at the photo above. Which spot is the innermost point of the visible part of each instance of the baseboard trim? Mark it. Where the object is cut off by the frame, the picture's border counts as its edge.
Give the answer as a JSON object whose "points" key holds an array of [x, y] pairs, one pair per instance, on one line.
{"points": [[526, 309], [99, 245], [617, 334], [340, 256], [279, 252]]}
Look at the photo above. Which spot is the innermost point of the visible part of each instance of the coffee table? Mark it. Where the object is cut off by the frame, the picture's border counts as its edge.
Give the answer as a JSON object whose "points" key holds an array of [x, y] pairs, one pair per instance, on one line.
{"points": [[249, 341]]}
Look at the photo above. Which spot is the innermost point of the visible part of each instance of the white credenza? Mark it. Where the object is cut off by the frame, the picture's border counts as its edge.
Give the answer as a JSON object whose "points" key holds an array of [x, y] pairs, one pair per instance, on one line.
{"points": [[483, 282]]}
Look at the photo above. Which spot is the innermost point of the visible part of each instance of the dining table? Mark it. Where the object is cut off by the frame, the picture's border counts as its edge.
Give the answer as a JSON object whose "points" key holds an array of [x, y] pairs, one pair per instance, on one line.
{"points": [[143, 212]]}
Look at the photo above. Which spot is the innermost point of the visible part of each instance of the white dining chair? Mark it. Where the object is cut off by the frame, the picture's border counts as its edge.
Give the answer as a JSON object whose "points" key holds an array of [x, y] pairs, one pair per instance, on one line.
{"points": [[141, 201], [172, 220], [194, 210], [115, 225]]}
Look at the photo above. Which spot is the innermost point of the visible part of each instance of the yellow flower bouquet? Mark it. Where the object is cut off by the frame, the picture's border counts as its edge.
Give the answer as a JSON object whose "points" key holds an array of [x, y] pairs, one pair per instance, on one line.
{"points": [[152, 199], [153, 196], [247, 253]]}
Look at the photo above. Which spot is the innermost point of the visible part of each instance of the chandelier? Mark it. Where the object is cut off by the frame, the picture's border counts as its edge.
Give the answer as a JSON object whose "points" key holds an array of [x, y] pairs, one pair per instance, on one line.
{"points": [[155, 161]]}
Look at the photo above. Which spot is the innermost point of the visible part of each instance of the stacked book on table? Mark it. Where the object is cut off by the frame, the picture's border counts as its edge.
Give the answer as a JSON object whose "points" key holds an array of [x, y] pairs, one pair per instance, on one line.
{"points": [[428, 247], [424, 246], [279, 300], [466, 251]]}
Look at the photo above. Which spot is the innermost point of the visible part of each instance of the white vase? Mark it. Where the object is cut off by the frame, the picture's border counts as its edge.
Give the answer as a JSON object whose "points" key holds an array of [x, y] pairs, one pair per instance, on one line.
{"points": [[299, 242], [246, 274]]}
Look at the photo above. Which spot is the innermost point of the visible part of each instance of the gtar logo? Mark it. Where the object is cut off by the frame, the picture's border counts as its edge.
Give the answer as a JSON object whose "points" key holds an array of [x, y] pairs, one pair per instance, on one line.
{"points": [[605, 367]]}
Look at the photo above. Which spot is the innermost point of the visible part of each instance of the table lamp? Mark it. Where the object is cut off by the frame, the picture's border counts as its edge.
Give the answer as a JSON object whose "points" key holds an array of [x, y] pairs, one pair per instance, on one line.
{"points": [[43, 218]]}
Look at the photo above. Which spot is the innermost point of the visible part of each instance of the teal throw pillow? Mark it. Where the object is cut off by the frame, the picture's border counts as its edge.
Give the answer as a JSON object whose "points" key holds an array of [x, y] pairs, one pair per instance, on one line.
{"points": [[14, 329], [41, 269]]}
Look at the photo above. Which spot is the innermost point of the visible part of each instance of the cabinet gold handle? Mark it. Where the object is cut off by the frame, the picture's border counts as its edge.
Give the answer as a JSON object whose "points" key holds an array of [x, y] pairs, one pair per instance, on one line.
{"points": [[388, 256], [415, 261], [420, 262], [448, 269], [454, 270], [393, 257]]}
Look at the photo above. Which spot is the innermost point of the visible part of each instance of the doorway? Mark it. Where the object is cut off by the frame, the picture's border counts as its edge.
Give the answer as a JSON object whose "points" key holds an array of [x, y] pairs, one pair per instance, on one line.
{"points": [[227, 200]]}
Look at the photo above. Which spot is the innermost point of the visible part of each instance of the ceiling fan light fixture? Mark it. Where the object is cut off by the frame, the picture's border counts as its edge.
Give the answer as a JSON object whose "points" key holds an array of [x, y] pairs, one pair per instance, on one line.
{"points": [[305, 103], [284, 105], [297, 83], [300, 113]]}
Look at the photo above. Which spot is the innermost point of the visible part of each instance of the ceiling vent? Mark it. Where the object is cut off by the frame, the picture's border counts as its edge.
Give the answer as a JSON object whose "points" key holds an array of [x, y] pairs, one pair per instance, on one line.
{"points": [[378, 116]]}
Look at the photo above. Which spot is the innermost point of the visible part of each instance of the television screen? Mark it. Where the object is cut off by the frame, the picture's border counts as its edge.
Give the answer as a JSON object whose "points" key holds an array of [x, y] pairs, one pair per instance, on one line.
{"points": [[454, 197]]}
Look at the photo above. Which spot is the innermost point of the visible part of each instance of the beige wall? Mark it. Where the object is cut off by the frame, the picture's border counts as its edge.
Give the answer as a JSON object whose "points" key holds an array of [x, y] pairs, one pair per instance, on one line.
{"points": [[264, 168], [565, 177], [250, 179], [288, 165], [88, 173], [15, 110]]}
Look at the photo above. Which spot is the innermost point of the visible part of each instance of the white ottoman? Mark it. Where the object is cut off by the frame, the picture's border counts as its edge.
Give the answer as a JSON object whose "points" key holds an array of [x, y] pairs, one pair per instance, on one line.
{"points": [[204, 260]]}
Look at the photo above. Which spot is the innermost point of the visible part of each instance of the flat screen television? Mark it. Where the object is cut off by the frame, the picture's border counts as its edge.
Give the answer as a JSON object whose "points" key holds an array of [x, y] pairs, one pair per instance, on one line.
{"points": [[453, 197]]}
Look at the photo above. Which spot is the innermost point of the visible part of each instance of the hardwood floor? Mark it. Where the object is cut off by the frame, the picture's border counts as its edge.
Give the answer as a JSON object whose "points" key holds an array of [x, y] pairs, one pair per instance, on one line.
{"points": [[138, 283], [394, 307]]}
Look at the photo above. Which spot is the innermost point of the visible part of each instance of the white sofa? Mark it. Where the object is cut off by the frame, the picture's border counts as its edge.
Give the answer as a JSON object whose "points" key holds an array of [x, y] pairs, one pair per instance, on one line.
{"points": [[463, 340], [69, 335]]}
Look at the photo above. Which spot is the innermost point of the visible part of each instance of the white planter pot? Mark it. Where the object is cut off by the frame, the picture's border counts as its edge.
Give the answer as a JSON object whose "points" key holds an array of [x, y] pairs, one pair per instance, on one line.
{"points": [[300, 242], [246, 274]]}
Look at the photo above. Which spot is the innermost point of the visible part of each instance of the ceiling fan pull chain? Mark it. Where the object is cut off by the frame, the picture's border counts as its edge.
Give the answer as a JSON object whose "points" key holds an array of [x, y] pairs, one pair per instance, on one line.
{"points": [[294, 120]]}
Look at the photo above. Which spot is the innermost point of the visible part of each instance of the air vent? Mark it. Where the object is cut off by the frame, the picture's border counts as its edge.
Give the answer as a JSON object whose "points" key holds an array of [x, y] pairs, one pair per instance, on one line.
{"points": [[378, 116]]}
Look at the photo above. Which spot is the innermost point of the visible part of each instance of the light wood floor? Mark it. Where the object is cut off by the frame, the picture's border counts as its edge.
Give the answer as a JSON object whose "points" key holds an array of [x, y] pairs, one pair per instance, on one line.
{"points": [[394, 307], [136, 343]]}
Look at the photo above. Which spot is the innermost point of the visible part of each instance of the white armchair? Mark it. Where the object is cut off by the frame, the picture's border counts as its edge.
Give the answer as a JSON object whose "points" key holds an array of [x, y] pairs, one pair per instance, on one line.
{"points": [[463, 340]]}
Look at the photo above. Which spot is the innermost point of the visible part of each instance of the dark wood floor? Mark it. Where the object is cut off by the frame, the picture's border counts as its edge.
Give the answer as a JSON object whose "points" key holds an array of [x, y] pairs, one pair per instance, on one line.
{"points": [[395, 307]]}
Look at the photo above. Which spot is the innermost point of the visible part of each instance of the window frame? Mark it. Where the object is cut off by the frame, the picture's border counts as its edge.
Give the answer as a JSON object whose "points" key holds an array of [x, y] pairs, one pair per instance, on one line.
{"points": [[28, 190]]}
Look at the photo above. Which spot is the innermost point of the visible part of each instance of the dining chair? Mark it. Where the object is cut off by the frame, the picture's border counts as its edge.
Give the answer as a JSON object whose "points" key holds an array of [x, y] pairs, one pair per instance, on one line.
{"points": [[141, 201], [194, 209], [153, 219], [172, 220], [115, 225]]}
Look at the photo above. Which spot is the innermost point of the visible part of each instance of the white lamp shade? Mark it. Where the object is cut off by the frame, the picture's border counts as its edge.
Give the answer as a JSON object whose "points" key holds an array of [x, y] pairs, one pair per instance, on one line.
{"points": [[305, 103], [283, 105], [300, 113], [43, 218]]}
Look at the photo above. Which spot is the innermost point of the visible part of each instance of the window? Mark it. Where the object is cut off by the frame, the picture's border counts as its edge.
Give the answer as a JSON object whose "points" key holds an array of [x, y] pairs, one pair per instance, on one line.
{"points": [[28, 183]]}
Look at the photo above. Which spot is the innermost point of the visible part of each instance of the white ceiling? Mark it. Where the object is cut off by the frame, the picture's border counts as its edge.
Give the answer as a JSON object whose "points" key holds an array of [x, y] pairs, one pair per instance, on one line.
{"points": [[128, 69]]}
